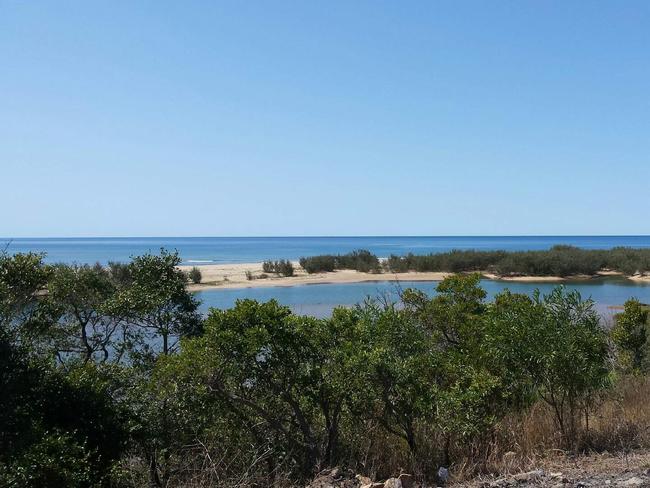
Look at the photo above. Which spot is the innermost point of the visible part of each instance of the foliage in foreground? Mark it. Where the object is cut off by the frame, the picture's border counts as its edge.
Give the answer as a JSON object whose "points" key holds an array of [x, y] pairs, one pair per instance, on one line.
{"points": [[115, 378], [630, 334]]}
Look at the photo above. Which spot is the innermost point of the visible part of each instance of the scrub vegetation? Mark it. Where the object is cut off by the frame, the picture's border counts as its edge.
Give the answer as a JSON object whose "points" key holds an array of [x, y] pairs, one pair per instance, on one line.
{"points": [[281, 267], [560, 261], [360, 260], [111, 377]]}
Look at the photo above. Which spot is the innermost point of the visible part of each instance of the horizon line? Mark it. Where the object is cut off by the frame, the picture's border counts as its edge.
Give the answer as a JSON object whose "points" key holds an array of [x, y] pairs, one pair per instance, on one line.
{"points": [[316, 236]]}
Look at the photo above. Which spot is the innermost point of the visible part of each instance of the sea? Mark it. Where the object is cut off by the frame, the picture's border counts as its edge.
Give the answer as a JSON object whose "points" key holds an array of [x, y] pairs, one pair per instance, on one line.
{"points": [[320, 299], [208, 250]]}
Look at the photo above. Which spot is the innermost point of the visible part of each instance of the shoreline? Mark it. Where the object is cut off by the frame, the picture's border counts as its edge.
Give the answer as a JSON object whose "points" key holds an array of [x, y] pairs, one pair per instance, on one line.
{"points": [[233, 276]]}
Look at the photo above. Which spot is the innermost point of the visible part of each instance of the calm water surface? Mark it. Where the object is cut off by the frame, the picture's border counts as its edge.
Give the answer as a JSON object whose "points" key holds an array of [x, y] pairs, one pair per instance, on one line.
{"points": [[205, 250], [320, 299]]}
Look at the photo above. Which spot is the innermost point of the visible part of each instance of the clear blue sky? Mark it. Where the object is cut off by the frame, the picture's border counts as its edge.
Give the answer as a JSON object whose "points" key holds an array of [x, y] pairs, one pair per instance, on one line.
{"points": [[122, 118]]}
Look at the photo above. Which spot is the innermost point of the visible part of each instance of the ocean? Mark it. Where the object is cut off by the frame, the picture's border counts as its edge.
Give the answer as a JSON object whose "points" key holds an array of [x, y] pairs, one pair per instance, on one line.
{"points": [[207, 250], [320, 299]]}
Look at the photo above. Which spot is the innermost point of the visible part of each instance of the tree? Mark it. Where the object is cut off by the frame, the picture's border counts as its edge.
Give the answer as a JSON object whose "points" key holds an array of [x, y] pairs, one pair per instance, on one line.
{"points": [[22, 278], [157, 302], [393, 369], [468, 392], [453, 315], [270, 370], [55, 429], [630, 334], [553, 347], [86, 328]]}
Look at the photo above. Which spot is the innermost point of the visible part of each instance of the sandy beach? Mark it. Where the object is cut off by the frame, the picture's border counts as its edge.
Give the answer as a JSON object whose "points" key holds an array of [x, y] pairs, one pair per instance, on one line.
{"points": [[228, 276], [234, 276]]}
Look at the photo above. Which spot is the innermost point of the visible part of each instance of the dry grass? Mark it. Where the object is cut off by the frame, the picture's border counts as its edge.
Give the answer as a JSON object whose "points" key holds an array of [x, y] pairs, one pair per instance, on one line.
{"points": [[617, 426], [617, 438]]}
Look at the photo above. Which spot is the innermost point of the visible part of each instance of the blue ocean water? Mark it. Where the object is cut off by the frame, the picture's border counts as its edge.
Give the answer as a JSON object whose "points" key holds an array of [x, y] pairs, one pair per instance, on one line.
{"points": [[205, 250], [320, 299]]}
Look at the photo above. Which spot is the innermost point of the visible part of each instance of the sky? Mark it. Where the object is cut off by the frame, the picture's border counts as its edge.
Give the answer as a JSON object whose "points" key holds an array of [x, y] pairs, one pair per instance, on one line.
{"points": [[219, 118]]}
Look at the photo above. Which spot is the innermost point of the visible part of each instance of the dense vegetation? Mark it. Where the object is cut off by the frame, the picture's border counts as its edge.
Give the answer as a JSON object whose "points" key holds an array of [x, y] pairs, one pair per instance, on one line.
{"points": [[110, 377], [557, 261], [360, 260], [281, 267]]}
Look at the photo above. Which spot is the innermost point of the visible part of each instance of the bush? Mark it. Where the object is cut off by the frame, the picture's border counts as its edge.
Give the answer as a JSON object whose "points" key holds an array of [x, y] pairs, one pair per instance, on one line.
{"points": [[281, 267], [560, 260], [195, 275], [57, 429], [552, 348], [55, 460], [318, 264], [630, 334], [361, 260]]}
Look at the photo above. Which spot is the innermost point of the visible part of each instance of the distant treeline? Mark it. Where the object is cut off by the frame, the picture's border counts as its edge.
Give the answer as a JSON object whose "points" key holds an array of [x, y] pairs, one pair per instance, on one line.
{"points": [[282, 267], [560, 260], [360, 260]]}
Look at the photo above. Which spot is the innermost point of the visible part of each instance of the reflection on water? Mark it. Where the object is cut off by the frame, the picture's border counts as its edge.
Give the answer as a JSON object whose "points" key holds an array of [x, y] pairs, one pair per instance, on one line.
{"points": [[319, 300]]}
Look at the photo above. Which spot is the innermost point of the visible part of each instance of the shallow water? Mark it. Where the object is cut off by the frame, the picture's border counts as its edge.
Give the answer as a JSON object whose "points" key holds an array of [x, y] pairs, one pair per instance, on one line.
{"points": [[320, 299]]}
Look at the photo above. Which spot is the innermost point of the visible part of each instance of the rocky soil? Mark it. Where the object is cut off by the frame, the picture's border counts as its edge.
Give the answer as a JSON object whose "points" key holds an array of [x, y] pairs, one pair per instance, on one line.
{"points": [[598, 470], [593, 471]]}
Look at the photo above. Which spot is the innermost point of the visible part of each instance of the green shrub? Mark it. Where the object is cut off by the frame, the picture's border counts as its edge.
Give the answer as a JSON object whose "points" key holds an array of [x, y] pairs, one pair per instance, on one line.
{"points": [[59, 428], [282, 267], [560, 260], [361, 260], [630, 334], [318, 264], [195, 275], [55, 460]]}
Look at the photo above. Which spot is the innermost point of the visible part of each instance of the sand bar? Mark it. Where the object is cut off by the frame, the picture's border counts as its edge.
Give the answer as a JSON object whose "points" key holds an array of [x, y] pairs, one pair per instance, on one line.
{"points": [[228, 276]]}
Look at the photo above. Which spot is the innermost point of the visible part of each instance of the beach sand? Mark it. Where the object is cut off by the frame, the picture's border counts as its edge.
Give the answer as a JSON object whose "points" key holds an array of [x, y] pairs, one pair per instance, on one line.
{"points": [[645, 278], [234, 276], [227, 276]]}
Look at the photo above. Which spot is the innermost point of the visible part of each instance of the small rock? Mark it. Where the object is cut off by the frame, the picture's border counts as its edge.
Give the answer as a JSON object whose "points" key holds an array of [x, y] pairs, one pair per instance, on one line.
{"points": [[634, 481], [530, 475], [364, 480], [443, 475], [392, 483], [406, 480]]}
